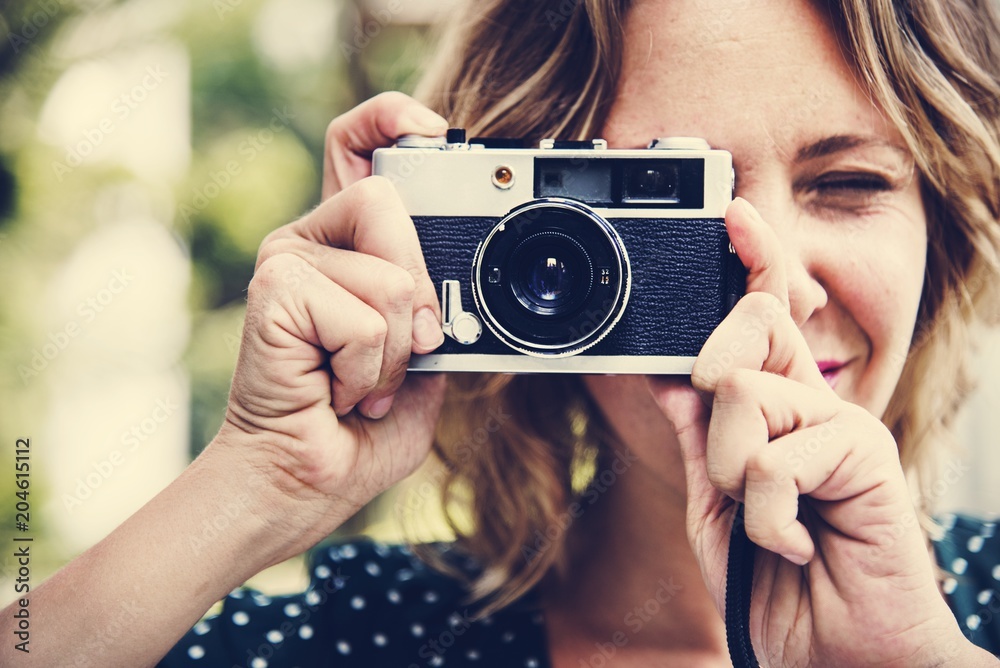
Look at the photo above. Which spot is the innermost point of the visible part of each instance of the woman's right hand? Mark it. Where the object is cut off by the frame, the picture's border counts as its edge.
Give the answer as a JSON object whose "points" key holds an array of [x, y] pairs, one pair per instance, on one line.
{"points": [[320, 400]]}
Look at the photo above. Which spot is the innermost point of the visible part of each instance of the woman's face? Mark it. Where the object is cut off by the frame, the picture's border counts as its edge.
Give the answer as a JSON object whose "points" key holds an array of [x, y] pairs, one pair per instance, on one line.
{"points": [[766, 80]]}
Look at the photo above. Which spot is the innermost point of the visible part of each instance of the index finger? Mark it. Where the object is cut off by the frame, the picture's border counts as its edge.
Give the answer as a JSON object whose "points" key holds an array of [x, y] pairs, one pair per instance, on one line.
{"points": [[758, 249], [353, 136]]}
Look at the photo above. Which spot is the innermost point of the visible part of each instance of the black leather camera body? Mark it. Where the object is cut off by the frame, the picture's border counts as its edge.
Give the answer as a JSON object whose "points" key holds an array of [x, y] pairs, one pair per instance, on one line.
{"points": [[570, 257]]}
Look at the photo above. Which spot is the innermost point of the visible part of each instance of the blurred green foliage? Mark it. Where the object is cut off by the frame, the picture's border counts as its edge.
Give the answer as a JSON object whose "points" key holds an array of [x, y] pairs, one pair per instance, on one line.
{"points": [[235, 90]]}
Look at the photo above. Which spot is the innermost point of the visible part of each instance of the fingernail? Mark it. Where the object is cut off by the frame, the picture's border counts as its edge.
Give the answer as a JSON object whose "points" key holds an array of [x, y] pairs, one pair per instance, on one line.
{"points": [[428, 120], [796, 559], [427, 332], [380, 408]]}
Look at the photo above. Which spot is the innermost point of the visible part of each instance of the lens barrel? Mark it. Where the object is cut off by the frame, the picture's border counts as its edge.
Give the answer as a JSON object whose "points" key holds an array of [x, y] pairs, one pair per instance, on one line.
{"points": [[551, 278]]}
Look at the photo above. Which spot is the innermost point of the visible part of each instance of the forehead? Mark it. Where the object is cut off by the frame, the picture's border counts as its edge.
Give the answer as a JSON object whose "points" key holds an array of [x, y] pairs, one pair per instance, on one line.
{"points": [[750, 76]]}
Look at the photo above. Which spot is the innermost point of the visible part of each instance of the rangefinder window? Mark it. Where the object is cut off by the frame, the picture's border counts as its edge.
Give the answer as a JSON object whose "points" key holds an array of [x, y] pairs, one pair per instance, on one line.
{"points": [[670, 183], [586, 180]]}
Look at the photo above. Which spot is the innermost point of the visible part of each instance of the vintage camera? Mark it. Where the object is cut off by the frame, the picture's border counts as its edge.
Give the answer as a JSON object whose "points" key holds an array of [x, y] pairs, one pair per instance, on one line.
{"points": [[570, 257]]}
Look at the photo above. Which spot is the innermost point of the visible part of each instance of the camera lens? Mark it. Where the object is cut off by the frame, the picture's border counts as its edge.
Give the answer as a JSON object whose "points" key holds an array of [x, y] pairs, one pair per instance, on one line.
{"points": [[551, 278], [551, 273]]}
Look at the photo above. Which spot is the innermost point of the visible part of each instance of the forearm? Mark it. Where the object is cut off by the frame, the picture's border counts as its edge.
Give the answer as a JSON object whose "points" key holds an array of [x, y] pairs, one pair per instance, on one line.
{"points": [[127, 600]]}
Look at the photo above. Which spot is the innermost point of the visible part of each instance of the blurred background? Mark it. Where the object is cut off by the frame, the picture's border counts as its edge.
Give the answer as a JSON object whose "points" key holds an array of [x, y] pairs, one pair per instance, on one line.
{"points": [[146, 147]]}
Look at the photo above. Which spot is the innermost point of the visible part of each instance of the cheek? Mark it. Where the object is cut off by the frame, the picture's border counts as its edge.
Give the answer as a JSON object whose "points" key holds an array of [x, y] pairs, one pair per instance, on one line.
{"points": [[882, 294]]}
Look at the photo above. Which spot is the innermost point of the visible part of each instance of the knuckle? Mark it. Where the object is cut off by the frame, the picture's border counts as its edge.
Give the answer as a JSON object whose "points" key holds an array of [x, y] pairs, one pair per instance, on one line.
{"points": [[397, 288], [271, 273], [373, 189], [724, 479], [370, 332], [736, 386], [391, 98]]}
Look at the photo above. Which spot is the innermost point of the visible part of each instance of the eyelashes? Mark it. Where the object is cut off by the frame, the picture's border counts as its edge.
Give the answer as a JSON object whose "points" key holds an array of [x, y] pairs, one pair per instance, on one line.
{"points": [[846, 192]]}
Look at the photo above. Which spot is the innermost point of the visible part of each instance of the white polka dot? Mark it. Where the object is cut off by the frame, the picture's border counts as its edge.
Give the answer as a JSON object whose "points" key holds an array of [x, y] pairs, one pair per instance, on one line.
{"points": [[381, 549], [393, 596], [201, 628], [348, 551], [430, 596], [975, 544], [486, 621], [959, 565], [196, 651], [260, 599], [274, 637], [472, 655], [312, 598], [343, 647], [293, 610], [417, 630], [258, 662], [988, 529], [973, 621], [404, 574], [373, 569], [334, 553], [436, 660], [454, 620], [531, 662], [236, 593], [240, 618], [306, 632], [323, 571], [948, 521], [949, 585], [358, 602], [339, 582], [984, 596], [380, 640], [996, 572], [508, 636]]}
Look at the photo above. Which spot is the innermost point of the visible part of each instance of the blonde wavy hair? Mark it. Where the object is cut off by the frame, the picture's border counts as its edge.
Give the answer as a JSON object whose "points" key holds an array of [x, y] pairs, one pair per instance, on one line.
{"points": [[542, 68]]}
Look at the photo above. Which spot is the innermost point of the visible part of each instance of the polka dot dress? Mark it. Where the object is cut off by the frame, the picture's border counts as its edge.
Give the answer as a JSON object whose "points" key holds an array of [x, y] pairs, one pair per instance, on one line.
{"points": [[368, 605], [372, 605], [969, 554]]}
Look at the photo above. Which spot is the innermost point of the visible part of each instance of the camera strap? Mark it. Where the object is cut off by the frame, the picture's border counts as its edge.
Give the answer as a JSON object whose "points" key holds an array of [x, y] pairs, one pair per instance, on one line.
{"points": [[739, 587]]}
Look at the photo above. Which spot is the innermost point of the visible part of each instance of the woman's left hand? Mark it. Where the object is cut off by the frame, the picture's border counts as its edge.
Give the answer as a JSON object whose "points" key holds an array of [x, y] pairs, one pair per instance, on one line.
{"points": [[845, 577]]}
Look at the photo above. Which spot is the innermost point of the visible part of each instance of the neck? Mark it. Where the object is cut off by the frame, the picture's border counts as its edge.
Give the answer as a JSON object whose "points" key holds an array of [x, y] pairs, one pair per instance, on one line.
{"points": [[638, 589]]}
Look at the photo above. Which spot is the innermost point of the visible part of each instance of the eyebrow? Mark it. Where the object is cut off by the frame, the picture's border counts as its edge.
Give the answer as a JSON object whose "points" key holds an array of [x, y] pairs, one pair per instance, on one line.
{"points": [[837, 143]]}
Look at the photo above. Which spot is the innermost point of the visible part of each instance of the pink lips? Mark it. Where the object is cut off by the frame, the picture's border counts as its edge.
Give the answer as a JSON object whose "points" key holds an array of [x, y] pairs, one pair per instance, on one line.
{"points": [[831, 370]]}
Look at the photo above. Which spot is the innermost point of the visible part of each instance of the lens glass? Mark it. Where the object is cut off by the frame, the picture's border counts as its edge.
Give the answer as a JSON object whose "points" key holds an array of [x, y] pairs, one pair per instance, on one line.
{"points": [[551, 273], [551, 277]]}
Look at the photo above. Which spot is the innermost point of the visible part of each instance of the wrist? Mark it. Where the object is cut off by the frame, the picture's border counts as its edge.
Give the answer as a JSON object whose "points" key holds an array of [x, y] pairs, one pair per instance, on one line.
{"points": [[280, 516]]}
